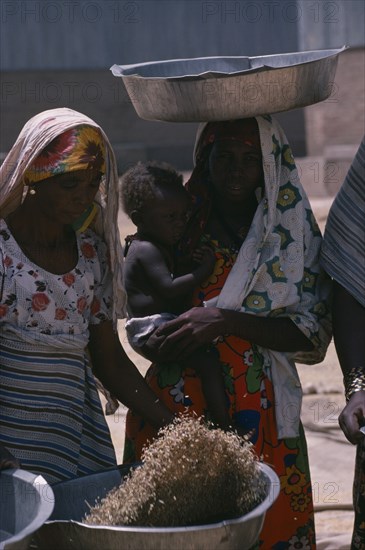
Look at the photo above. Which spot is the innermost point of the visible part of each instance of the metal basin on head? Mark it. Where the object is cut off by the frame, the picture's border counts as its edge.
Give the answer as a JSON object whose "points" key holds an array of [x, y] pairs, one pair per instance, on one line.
{"points": [[64, 530], [226, 88]]}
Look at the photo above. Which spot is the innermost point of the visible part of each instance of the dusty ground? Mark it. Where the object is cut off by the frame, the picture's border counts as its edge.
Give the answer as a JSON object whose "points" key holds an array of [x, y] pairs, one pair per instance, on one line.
{"points": [[331, 456]]}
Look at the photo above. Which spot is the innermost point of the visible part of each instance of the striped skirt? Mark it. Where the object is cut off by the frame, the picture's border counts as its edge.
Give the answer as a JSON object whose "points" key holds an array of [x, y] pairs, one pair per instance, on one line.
{"points": [[51, 417]]}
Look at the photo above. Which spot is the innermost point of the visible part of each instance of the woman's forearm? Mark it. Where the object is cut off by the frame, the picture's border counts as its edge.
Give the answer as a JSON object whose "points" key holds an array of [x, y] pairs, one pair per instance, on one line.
{"points": [[200, 326], [129, 386], [121, 377], [348, 329], [348, 333], [279, 333]]}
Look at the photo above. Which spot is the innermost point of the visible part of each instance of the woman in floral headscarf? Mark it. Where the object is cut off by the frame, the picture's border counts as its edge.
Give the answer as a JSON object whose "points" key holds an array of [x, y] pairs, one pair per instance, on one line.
{"points": [[57, 303], [265, 306]]}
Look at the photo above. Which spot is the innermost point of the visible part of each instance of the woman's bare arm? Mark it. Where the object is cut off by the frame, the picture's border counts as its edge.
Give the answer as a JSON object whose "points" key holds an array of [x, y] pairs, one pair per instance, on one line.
{"points": [[348, 332], [119, 375], [7, 459], [200, 326]]}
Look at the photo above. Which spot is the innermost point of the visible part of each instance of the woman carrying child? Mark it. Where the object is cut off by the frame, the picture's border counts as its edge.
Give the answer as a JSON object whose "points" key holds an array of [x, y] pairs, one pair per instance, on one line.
{"points": [[266, 306]]}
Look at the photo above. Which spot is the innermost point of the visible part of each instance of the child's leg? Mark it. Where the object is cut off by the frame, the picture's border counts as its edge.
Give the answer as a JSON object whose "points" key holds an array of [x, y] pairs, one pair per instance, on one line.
{"points": [[208, 368]]}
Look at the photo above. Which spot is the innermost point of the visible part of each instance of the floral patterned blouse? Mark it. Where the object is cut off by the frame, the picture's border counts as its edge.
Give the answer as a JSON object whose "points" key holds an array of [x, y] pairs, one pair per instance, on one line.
{"points": [[38, 303]]}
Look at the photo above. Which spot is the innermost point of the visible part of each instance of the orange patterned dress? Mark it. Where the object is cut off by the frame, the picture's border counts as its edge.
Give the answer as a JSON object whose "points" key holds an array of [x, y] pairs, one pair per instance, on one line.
{"points": [[289, 524]]}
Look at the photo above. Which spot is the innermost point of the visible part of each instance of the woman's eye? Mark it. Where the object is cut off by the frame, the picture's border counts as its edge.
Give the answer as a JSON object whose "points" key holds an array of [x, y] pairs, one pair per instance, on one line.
{"points": [[69, 184], [68, 181], [96, 182], [72, 183], [251, 159]]}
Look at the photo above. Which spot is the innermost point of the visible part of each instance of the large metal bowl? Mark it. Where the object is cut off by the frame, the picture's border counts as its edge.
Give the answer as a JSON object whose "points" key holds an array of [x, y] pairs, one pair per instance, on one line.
{"points": [[65, 530], [26, 502], [226, 88]]}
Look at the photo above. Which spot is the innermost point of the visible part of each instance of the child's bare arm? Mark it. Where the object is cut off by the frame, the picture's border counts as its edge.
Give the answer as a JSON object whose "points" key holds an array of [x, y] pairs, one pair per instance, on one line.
{"points": [[160, 277]]}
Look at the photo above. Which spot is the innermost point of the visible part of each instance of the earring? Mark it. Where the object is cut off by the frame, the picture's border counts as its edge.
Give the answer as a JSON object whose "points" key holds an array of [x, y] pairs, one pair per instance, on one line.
{"points": [[32, 191]]}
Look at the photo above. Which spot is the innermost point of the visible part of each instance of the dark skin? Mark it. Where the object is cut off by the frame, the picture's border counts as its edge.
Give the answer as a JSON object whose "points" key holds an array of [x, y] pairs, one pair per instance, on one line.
{"points": [[57, 203], [348, 333], [149, 263], [151, 288], [235, 172]]}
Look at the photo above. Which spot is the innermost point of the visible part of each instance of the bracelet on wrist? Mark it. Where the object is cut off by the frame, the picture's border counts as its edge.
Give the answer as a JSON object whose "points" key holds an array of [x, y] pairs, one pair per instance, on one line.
{"points": [[354, 380]]}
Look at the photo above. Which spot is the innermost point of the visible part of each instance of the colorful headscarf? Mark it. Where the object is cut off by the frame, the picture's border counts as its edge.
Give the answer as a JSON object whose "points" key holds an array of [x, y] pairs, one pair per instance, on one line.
{"points": [[79, 140], [277, 271], [244, 130], [79, 148]]}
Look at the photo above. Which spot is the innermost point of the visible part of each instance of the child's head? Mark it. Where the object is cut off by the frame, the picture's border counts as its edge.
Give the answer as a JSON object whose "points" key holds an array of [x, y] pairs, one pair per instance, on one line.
{"points": [[154, 197]]}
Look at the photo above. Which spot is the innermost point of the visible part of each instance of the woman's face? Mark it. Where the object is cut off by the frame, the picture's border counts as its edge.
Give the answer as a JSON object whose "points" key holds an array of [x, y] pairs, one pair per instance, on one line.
{"points": [[235, 169], [235, 161], [63, 198]]}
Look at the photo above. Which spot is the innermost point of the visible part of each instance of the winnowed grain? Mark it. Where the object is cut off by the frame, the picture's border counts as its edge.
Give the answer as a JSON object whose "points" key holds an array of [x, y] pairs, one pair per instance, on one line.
{"points": [[191, 474]]}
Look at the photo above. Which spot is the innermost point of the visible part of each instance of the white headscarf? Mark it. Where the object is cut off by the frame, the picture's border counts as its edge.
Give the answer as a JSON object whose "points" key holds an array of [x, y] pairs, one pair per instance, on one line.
{"points": [[277, 271]]}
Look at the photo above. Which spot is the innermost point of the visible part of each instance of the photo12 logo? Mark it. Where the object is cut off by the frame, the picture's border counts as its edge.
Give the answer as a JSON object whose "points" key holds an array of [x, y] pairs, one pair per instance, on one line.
{"points": [[71, 11], [230, 12]]}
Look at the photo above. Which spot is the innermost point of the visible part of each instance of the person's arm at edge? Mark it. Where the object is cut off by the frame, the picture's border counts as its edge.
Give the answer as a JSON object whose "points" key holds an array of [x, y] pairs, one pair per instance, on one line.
{"points": [[119, 375], [348, 332], [7, 459]]}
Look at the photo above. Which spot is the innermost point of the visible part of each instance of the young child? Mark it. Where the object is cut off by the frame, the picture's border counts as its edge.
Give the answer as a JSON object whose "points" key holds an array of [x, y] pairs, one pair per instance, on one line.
{"points": [[154, 198]]}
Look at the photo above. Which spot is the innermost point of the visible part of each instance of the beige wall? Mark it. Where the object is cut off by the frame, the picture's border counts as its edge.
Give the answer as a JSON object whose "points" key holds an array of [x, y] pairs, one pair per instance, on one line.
{"points": [[335, 127], [340, 119]]}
